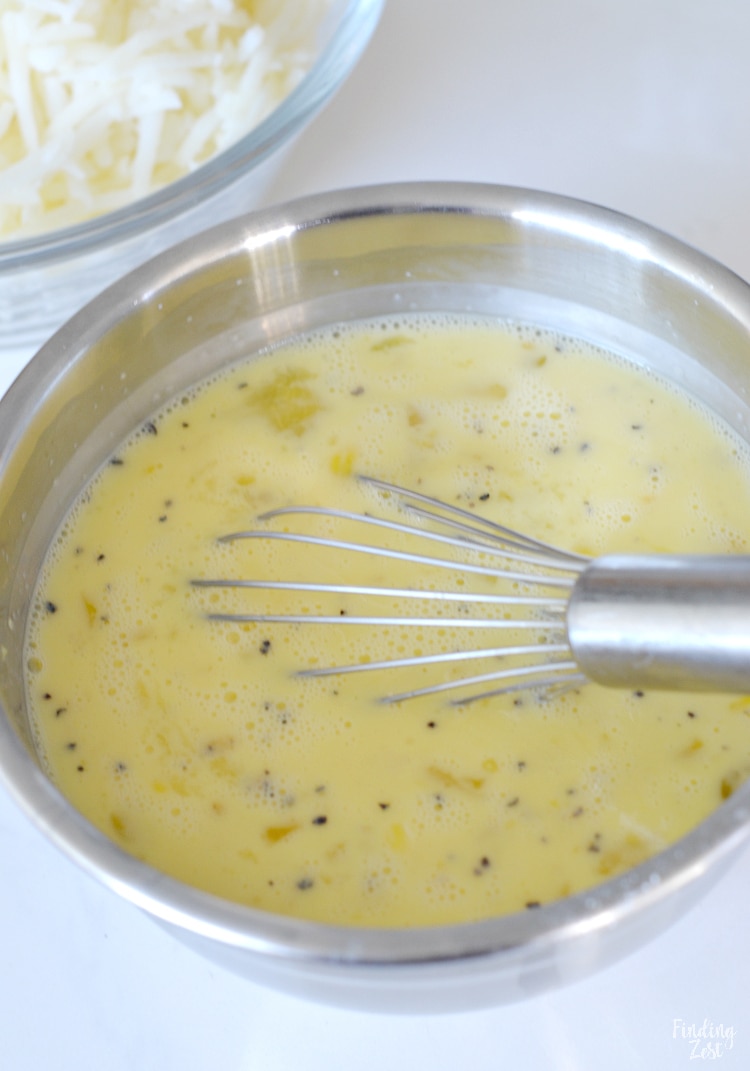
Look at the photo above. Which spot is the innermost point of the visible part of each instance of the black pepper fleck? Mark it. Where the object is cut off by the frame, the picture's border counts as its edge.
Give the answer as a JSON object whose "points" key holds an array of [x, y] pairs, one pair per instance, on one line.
{"points": [[533, 903], [50, 607], [320, 820], [484, 497], [265, 647], [305, 883], [384, 806], [150, 428]]}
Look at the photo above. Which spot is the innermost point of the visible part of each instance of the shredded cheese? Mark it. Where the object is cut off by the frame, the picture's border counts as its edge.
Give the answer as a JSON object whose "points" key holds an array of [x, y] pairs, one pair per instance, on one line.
{"points": [[104, 101]]}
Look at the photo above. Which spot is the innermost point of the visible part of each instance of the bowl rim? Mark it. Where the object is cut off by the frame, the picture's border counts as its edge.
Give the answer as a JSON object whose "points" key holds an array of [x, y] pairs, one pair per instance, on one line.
{"points": [[615, 901], [357, 20]]}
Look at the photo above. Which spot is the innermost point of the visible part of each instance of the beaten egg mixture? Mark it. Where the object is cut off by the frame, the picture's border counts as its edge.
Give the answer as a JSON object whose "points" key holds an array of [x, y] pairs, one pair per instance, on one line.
{"points": [[192, 743]]}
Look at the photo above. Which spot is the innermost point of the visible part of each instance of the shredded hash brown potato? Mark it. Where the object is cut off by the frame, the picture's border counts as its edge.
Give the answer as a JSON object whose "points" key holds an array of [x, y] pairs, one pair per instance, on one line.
{"points": [[104, 101]]}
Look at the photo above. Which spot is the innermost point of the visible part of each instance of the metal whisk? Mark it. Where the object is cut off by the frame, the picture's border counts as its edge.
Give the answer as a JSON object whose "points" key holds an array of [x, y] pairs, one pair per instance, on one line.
{"points": [[676, 622]]}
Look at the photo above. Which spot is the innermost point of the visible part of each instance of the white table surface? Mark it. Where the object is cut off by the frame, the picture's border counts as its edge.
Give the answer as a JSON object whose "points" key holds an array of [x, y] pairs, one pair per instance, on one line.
{"points": [[641, 106]]}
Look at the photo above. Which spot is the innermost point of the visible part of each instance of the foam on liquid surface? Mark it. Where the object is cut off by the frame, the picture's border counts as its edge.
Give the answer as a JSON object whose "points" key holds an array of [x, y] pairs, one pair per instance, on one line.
{"points": [[193, 744]]}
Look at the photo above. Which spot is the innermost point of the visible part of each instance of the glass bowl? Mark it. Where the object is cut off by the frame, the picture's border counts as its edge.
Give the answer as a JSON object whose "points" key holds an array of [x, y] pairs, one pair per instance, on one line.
{"points": [[46, 277]]}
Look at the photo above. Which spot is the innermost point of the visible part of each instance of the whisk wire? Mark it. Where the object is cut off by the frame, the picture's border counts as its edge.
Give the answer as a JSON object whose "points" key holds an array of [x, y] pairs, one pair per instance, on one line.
{"points": [[449, 514], [408, 556], [521, 560], [515, 678], [441, 657]]}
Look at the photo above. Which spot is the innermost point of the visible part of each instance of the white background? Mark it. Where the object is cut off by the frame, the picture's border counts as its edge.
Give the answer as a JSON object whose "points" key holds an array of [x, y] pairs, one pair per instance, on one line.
{"points": [[641, 106]]}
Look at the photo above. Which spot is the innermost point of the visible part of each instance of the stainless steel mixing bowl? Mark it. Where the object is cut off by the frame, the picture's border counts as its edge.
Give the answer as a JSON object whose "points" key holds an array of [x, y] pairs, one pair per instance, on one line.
{"points": [[542, 259]]}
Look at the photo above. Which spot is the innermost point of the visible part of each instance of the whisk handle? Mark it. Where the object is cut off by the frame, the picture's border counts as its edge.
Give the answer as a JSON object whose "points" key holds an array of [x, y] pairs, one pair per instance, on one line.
{"points": [[663, 621]]}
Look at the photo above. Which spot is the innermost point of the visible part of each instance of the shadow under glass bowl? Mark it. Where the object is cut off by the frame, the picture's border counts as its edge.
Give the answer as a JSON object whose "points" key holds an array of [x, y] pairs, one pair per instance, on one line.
{"points": [[46, 277], [263, 279]]}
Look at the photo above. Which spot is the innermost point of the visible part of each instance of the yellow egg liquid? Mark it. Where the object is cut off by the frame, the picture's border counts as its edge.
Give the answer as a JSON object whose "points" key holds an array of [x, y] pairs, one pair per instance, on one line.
{"points": [[193, 744]]}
